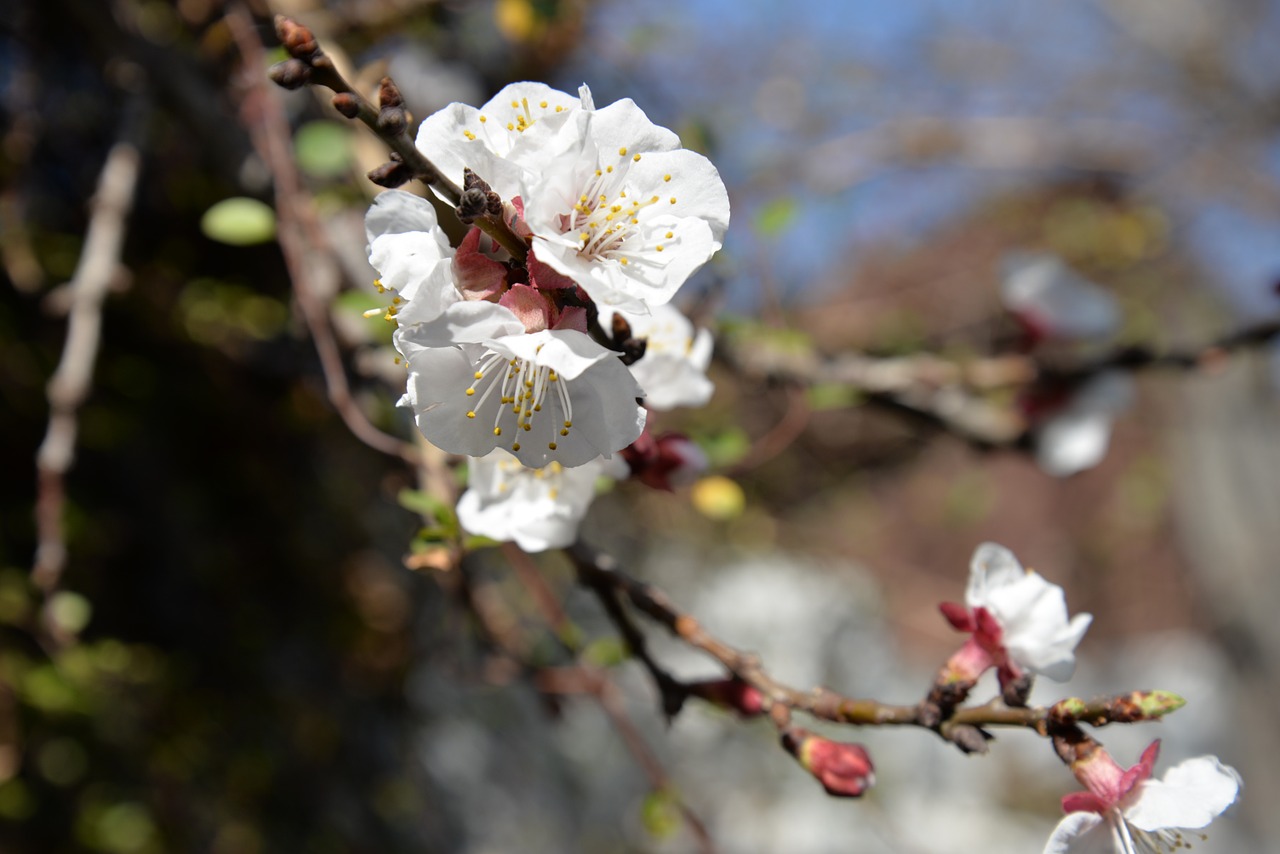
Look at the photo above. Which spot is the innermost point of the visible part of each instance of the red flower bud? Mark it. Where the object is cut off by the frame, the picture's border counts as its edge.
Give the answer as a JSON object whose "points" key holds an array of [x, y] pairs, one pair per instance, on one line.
{"points": [[845, 770]]}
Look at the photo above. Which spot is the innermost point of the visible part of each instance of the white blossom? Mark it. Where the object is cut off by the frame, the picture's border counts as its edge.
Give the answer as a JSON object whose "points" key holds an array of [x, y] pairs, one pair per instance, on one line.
{"points": [[538, 508], [1130, 813], [611, 199], [1035, 633], [673, 370], [478, 380]]}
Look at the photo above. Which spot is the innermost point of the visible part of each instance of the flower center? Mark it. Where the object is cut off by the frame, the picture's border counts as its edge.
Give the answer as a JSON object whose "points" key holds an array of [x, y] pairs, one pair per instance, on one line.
{"points": [[607, 215], [1131, 840], [523, 388]]}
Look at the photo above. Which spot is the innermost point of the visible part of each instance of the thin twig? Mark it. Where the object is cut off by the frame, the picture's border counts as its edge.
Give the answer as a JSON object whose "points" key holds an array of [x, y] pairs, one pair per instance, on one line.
{"points": [[98, 267], [302, 242]]}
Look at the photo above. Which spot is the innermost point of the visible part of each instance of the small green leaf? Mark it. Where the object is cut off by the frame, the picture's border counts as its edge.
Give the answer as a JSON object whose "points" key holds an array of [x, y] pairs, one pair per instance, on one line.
{"points": [[776, 216], [660, 814], [417, 501], [606, 652], [239, 221], [323, 149], [725, 448]]}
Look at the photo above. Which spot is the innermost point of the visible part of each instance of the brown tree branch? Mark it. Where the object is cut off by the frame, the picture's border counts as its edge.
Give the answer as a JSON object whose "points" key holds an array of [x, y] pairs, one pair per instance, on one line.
{"points": [[312, 267], [98, 267]]}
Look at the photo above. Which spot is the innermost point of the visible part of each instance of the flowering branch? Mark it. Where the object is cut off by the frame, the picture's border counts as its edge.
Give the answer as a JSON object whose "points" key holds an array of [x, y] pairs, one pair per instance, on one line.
{"points": [[309, 64], [598, 570]]}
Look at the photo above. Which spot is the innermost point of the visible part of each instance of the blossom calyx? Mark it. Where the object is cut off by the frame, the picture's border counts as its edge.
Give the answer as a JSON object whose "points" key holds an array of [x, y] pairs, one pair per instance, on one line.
{"points": [[844, 769]]}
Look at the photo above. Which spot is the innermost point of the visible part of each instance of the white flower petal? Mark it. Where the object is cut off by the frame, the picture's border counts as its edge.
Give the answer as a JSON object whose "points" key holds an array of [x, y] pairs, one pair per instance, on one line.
{"points": [[991, 567], [507, 142], [1191, 795], [566, 351], [1081, 833], [461, 322], [397, 212], [1058, 300]]}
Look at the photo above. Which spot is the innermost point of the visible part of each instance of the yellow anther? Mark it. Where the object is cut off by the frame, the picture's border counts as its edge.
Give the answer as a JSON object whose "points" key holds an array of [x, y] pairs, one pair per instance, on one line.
{"points": [[622, 261], [515, 103], [510, 126], [396, 300], [654, 200], [542, 104], [497, 431], [608, 168], [484, 118], [470, 392], [471, 413], [564, 432], [559, 109], [468, 134], [670, 234], [527, 427], [659, 247], [552, 446], [515, 446], [623, 151], [666, 177], [636, 158], [673, 200], [479, 375], [598, 173]]}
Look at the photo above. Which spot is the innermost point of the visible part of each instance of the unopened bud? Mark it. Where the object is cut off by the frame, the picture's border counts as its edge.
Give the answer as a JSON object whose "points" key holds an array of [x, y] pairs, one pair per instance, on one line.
{"points": [[473, 203], [298, 41], [844, 770], [389, 94], [969, 738], [731, 693], [1151, 705], [290, 74], [347, 104], [391, 174], [392, 120], [1067, 711], [1015, 690]]}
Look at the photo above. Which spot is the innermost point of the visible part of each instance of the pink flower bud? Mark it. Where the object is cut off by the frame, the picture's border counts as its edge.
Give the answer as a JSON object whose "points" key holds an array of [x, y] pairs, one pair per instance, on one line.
{"points": [[844, 770], [669, 461], [477, 275]]}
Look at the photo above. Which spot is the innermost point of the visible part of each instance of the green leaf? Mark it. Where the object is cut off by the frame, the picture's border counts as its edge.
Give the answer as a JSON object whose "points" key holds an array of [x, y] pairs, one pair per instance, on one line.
{"points": [[776, 217], [725, 448], [323, 149], [70, 611], [417, 501], [239, 221], [606, 652], [660, 813]]}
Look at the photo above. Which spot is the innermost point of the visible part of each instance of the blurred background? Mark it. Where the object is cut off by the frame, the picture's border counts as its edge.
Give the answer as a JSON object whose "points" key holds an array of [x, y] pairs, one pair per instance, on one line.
{"points": [[239, 657]]}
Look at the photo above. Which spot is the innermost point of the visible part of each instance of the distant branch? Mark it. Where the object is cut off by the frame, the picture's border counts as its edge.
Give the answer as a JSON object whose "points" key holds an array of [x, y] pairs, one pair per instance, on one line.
{"points": [[98, 267]]}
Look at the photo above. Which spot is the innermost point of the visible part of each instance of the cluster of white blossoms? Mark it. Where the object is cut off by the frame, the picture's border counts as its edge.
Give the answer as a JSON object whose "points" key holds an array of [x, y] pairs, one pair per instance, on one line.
{"points": [[1019, 626], [507, 358]]}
